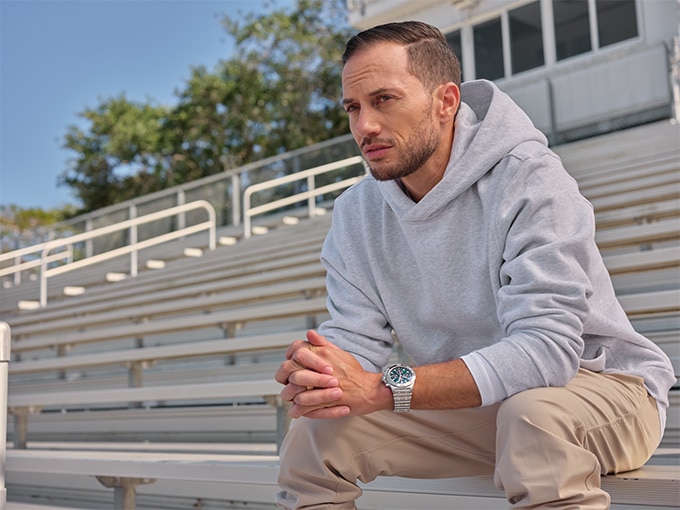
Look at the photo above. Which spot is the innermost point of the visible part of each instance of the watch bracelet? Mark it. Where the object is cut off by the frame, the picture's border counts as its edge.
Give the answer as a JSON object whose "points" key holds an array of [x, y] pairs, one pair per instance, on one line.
{"points": [[402, 399]]}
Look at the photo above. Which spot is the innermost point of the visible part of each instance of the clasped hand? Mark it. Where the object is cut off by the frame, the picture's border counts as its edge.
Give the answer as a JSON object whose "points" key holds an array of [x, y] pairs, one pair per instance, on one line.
{"points": [[323, 381]]}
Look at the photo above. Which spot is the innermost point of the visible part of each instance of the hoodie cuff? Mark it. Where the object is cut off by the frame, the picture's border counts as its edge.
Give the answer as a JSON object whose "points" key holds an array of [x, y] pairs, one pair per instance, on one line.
{"points": [[489, 384]]}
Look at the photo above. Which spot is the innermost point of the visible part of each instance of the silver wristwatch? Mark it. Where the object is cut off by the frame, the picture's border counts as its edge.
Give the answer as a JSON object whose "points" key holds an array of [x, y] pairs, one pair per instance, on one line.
{"points": [[400, 379]]}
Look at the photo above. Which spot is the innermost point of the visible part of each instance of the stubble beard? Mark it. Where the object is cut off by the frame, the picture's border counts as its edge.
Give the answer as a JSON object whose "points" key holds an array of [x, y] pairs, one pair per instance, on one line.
{"points": [[415, 152]]}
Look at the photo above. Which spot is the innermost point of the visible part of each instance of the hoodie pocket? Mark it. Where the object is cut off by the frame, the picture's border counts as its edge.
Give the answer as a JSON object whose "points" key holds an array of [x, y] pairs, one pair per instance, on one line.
{"points": [[596, 364]]}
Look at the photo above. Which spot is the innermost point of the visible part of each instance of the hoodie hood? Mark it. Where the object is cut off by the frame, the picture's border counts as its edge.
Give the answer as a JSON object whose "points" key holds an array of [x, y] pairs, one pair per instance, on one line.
{"points": [[488, 127]]}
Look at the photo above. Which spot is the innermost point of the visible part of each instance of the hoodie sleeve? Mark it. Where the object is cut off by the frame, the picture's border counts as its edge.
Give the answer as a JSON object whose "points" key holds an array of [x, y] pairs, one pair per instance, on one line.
{"points": [[357, 322], [544, 241]]}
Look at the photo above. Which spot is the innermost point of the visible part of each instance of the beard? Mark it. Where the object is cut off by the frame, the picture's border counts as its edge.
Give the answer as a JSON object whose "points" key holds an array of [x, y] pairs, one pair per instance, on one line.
{"points": [[414, 153]]}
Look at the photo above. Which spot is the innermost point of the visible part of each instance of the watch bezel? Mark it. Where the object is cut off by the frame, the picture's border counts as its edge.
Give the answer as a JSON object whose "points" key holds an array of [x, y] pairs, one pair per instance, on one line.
{"points": [[390, 382]]}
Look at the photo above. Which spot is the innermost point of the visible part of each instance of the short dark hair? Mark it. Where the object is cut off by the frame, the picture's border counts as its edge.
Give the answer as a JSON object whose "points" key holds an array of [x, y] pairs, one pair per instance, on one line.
{"points": [[431, 59]]}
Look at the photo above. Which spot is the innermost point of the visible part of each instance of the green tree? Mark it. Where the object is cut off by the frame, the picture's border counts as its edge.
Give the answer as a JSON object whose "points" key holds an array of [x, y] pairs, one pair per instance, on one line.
{"points": [[117, 158], [291, 63], [20, 227], [278, 92]]}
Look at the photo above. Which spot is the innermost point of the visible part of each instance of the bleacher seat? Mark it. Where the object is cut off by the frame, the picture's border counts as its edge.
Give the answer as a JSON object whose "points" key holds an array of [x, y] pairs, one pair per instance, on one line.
{"points": [[168, 375]]}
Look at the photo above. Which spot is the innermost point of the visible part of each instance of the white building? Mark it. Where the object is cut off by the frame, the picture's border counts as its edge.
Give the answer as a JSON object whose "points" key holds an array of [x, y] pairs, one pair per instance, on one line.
{"points": [[577, 67]]}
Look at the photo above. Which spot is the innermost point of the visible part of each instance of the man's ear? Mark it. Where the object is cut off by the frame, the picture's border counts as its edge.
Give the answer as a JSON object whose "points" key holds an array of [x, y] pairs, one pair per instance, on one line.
{"points": [[449, 100]]}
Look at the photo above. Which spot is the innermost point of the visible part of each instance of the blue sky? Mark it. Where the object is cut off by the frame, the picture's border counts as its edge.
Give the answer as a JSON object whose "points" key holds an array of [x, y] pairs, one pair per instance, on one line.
{"points": [[59, 56]]}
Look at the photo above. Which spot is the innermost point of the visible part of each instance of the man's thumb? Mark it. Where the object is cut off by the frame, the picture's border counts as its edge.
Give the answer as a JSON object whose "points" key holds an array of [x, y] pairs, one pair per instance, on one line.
{"points": [[315, 338]]}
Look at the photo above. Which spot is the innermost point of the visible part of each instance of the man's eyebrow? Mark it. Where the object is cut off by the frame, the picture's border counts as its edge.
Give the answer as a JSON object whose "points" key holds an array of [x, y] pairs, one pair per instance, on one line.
{"points": [[374, 93]]}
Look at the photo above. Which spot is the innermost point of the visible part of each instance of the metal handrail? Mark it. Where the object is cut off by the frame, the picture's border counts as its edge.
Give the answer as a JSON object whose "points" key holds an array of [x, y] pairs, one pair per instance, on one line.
{"points": [[134, 246], [17, 255], [310, 195], [23, 266], [5, 351], [229, 174]]}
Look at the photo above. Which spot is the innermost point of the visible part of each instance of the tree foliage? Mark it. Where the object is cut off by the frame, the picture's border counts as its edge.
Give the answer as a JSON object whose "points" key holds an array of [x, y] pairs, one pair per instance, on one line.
{"points": [[279, 91], [117, 158], [21, 227]]}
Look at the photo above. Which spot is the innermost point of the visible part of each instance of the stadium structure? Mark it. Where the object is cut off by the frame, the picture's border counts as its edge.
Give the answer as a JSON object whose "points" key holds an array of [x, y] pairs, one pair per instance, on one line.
{"points": [[139, 344]]}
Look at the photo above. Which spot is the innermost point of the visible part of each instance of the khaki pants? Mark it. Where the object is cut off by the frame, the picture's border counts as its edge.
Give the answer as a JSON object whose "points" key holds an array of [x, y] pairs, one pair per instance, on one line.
{"points": [[546, 447]]}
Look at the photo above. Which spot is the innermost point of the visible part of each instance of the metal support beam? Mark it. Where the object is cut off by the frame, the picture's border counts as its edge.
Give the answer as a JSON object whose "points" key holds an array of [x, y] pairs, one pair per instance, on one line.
{"points": [[283, 418], [5, 354], [20, 427], [124, 490], [230, 329]]}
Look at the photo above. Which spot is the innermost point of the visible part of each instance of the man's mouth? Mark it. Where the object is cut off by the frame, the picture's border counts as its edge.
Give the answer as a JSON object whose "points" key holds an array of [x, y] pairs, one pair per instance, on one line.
{"points": [[375, 150]]}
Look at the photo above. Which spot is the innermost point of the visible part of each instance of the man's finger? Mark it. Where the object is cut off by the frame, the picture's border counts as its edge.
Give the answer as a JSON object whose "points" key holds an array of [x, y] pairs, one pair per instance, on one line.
{"points": [[310, 378], [315, 338], [318, 397], [293, 347], [307, 358], [319, 413]]}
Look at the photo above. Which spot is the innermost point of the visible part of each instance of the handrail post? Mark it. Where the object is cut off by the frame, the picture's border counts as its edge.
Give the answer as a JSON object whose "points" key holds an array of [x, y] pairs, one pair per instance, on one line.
{"points": [[246, 214], [89, 245], [43, 278], [236, 200], [212, 231], [181, 216], [17, 274], [134, 261], [5, 353], [311, 201]]}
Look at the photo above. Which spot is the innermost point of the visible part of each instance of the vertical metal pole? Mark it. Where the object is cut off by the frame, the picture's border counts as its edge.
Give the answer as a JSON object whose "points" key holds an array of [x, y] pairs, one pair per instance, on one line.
{"points": [[5, 352], [125, 497], [43, 280], [283, 420], [21, 427], [236, 200], [134, 261], [311, 201], [89, 246], [17, 274], [181, 217]]}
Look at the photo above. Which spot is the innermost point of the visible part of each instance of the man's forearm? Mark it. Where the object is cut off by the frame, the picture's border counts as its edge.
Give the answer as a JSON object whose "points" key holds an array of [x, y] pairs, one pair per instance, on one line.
{"points": [[448, 385]]}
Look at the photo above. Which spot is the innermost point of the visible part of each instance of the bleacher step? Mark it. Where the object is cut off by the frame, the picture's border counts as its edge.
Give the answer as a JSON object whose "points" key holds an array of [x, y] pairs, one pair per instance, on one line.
{"points": [[651, 486]]}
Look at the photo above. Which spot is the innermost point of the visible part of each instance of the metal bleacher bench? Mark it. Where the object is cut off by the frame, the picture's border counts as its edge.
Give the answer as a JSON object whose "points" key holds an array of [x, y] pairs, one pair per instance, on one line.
{"points": [[633, 186], [238, 261], [126, 474], [224, 319], [294, 282], [255, 477], [23, 405]]}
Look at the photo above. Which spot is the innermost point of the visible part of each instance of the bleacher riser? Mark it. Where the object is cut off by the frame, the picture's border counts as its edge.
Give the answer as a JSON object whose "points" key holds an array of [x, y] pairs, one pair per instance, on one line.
{"points": [[632, 178]]}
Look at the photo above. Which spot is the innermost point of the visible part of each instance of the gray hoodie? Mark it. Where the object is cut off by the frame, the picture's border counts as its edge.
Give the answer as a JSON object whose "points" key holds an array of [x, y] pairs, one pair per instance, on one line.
{"points": [[497, 265]]}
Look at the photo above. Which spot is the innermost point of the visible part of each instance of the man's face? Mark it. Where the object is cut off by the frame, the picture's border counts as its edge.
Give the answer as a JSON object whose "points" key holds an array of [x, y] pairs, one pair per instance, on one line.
{"points": [[390, 111]]}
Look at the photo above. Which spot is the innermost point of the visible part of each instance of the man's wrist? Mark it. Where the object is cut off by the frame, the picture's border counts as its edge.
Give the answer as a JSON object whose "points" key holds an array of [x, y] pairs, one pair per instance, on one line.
{"points": [[384, 400]]}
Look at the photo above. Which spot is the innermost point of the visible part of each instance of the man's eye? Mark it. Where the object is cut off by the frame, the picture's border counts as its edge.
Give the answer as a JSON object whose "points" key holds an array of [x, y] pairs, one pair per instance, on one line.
{"points": [[382, 99], [351, 108]]}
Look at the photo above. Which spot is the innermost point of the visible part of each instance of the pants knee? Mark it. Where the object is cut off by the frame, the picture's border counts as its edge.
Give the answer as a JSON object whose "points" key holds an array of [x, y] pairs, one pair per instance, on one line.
{"points": [[536, 410], [311, 443]]}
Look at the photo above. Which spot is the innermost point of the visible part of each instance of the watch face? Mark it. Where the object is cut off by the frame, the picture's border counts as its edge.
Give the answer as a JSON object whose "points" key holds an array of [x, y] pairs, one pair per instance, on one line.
{"points": [[400, 375]]}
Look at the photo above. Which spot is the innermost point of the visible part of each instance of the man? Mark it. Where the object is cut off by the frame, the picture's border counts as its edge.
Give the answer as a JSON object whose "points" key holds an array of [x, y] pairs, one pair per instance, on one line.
{"points": [[470, 244]]}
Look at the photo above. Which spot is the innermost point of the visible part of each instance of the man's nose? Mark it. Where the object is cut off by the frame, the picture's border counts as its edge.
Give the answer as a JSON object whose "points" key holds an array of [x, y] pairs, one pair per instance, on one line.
{"points": [[366, 124]]}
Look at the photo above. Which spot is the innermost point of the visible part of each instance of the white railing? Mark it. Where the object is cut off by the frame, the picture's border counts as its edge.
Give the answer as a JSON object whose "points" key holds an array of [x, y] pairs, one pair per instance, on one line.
{"points": [[17, 256], [310, 194], [223, 190], [132, 248], [63, 249], [5, 351]]}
